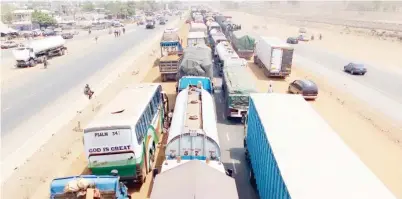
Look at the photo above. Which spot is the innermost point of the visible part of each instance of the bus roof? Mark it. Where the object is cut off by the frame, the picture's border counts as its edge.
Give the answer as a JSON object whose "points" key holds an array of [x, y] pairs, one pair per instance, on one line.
{"points": [[133, 100], [313, 160]]}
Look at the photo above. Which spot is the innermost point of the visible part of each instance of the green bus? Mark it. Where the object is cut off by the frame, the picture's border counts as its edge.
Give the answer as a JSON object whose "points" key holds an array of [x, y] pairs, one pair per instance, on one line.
{"points": [[124, 134]]}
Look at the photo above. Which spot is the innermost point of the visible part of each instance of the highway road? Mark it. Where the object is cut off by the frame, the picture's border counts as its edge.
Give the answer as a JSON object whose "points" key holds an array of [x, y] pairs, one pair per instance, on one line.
{"points": [[6, 54], [380, 88], [231, 134], [25, 101]]}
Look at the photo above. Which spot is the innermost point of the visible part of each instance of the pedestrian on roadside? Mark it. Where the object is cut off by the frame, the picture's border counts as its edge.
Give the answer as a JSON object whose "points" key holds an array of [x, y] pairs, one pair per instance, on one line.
{"points": [[96, 39], [320, 36], [45, 62], [270, 88], [170, 116]]}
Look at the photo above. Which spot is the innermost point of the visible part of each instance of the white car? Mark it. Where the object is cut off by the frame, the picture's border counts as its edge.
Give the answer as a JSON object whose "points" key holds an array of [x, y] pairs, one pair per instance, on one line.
{"points": [[8, 44]]}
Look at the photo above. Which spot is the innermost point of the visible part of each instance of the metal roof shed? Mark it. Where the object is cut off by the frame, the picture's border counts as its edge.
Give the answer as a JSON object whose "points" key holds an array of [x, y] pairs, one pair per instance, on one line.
{"points": [[194, 179]]}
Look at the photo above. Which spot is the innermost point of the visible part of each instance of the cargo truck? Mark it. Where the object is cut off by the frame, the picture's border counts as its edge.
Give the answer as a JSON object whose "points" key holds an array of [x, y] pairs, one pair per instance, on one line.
{"points": [[37, 50], [274, 56], [223, 51], [150, 23], [237, 85], [243, 43], [196, 66], [107, 185], [171, 51], [293, 153]]}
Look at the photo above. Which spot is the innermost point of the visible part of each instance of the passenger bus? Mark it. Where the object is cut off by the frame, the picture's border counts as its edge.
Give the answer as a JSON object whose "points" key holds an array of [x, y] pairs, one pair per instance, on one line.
{"points": [[124, 134], [193, 133]]}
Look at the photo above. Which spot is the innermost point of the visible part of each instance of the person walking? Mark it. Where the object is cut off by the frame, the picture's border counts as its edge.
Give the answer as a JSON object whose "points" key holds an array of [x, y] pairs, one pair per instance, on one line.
{"points": [[96, 39], [270, 88], [45, 62]]}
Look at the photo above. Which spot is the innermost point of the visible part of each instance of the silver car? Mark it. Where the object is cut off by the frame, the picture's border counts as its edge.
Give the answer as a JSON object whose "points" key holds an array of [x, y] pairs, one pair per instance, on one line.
{"points": [[354, 68]]}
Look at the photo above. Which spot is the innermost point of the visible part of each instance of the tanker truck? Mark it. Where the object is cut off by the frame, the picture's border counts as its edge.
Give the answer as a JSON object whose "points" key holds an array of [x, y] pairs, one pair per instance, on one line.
{"points": [[36, 50]]}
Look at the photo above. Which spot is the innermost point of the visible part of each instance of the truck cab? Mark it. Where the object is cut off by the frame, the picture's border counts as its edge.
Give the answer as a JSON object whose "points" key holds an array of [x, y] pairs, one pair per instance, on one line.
{"points": [[186, 81], [149, 23]]}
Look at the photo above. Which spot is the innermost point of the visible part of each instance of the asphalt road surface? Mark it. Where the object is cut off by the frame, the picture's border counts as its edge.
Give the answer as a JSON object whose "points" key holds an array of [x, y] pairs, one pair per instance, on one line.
{"points": [[7, 56], [379, 87], [21, 103], [231, 134]]}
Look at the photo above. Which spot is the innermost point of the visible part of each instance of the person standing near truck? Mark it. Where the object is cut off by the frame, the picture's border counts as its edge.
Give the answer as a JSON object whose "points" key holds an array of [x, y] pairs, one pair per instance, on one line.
{"points": [[270, 88], [45, 62]]}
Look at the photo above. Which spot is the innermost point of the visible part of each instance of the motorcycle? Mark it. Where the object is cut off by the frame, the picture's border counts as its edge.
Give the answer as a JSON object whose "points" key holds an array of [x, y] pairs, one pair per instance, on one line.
{"points": [[88, 92]]}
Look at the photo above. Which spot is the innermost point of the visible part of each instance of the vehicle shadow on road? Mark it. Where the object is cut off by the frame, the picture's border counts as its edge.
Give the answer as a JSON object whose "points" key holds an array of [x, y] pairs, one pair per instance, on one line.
{"points": [[259, 73], [241, 174]]}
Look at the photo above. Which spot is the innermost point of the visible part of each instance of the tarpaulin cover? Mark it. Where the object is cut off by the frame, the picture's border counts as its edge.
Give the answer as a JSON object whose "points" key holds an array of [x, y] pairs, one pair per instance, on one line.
{"points": [[197, 61], [242, 40], [170, 36], [238, 85]]}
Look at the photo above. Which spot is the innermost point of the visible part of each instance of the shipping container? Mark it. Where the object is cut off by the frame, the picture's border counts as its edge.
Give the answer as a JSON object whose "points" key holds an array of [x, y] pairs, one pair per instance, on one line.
{"points": [[294, 153], [274, 56]]}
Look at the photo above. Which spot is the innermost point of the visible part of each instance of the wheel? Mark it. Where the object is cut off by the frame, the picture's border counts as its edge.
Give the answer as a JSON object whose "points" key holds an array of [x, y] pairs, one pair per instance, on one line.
{"points": [[344, 69], [363, 73], [352, 72], [31, 63], [289, 91]]}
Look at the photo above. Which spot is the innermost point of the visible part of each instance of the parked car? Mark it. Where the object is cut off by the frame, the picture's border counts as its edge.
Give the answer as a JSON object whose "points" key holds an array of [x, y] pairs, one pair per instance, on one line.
{"points": [[354, 68], [67, 35], [302, 30], [292, 40], [307, 88], [8, 44], [49, 32], [303, 38]]}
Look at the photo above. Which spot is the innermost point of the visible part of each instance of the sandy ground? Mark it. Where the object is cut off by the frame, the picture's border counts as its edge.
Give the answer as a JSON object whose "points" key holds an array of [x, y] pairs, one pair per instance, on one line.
{"points": [[366, 133], [356, 46], [64, 152]]}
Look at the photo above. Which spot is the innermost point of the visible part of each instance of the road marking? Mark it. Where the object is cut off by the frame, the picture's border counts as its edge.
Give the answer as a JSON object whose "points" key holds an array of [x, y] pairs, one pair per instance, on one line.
{"points": [[234, 167], [6, 109], [227, 136]]}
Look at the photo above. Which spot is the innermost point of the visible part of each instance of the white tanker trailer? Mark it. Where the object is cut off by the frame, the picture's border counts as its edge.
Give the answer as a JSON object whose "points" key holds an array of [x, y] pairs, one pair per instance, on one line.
{"points": [[36, 50], [193, 134]]}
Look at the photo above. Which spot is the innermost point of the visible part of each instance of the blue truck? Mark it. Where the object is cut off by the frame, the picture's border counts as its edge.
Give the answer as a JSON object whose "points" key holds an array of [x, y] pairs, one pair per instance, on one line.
{"points": [[109, 186], [294, 154]]}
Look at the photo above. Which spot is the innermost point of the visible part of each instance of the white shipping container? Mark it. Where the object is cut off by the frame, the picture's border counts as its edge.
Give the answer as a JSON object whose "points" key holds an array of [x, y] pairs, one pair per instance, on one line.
{"points": [[269, 52]]}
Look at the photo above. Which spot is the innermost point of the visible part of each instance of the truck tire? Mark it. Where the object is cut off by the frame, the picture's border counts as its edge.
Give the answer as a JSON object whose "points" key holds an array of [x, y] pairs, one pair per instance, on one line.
{"points": [[32, 63], [255, 59]]}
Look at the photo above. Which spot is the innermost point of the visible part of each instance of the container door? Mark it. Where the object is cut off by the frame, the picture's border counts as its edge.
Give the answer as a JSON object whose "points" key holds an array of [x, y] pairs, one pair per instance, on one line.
{"points": [[276, 60], [287, 60]]}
